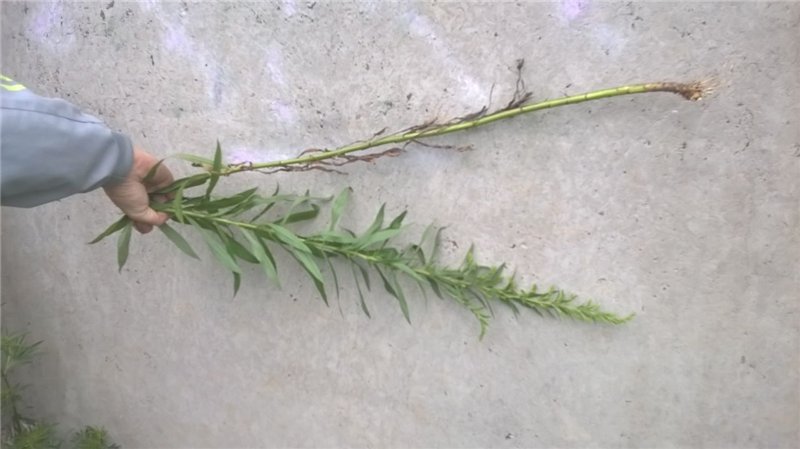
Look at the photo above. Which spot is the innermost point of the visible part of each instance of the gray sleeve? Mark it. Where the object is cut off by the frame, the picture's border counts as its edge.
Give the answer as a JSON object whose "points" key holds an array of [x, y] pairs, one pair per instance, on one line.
{"points": [[49, 149]]}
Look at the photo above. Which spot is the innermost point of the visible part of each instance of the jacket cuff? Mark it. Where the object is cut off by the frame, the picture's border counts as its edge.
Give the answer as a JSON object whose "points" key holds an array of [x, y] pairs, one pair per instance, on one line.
{"points": [[125, 161]]}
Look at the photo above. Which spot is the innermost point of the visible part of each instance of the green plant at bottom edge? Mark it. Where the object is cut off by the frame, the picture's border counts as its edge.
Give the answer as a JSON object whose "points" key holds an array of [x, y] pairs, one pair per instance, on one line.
{"points": [[22, 432]]}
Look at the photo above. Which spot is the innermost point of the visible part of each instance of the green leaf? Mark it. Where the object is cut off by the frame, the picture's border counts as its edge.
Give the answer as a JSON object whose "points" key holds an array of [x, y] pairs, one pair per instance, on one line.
{"points": [[152, 172], [304, 215], [178, 240], [244, 206], [408, 271], [216, 168], [237, 282], [195, 159], [263, 211], [360, 293], [16, 351], [297, 201], [364, 274], [116, 226], [377, 237], [269, 201], [211, 184], [188, 182], [312, 269], [435, 288], [123, 244], [93, 438], [482, 300], [391, 286], [434, 234], [217, 158], [34, 436], [338, 207], [333, 273], [217, 247], [259, 249], [377, 223], [233, 200], [286, 236], [335, 238], [236, 248], [469, 259], [178, 204], [398, 221]]}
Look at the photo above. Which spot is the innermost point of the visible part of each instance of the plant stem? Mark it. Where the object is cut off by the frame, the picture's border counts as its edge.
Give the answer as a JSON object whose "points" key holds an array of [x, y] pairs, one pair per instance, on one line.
{"points": [[690, 91], [15, 417]]}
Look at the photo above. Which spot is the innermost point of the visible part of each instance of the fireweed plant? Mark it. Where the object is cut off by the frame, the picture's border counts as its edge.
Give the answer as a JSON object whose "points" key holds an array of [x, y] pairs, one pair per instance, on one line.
{"points": [[249, 226]]}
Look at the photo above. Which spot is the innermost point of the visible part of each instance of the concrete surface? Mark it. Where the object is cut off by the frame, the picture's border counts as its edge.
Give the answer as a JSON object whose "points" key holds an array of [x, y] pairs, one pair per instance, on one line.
{"points": [[686, 213]]}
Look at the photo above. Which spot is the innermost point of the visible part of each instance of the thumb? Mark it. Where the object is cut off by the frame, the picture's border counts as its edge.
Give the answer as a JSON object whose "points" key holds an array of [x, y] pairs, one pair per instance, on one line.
{"points": [[148, 216]]}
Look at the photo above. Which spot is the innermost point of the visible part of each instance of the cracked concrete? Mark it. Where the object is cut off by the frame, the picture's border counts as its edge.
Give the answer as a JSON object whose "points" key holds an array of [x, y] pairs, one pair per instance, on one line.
{"points": [[685, 213]]}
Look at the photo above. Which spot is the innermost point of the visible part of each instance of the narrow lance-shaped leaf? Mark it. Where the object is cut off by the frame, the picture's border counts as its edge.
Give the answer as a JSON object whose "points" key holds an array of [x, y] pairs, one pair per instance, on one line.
{"points": [[260, 251], [364, 274], [360, 293], [115, 227], [232, 200], [391, 286], [381, 236], [178, 204], [237, 282], [187, 182], [123, 244], [270, 203], [303, 215], [435, 287], [377, 223], [236, 249], [338, 207], [216, 246], [374, 228], [195, 159], [398, 221], [297, 202], [152, 172], [408, 271], [178, 240], [437, 243], [333, 274], [216, 168], [312, 269], [286, 236]]}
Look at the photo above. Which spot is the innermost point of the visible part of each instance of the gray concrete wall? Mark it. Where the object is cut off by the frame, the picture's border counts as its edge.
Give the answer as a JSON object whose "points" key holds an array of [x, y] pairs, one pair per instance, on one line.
{"points": [[686, 213]]}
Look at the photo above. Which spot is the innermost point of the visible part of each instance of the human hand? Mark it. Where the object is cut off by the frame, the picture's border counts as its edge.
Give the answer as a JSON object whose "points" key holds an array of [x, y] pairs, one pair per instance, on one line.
{"points": [[131, 195]]}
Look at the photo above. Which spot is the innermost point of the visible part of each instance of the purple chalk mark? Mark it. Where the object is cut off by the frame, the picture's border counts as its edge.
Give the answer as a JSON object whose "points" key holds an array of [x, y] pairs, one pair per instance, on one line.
{"points": [[274, 64], [176, 40], [609, 38], [283, 112], [241, 155], [218, 86], [45, 27], [289, 8], [48, 17], [422, 27], [571, 9], [148, 4]]}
